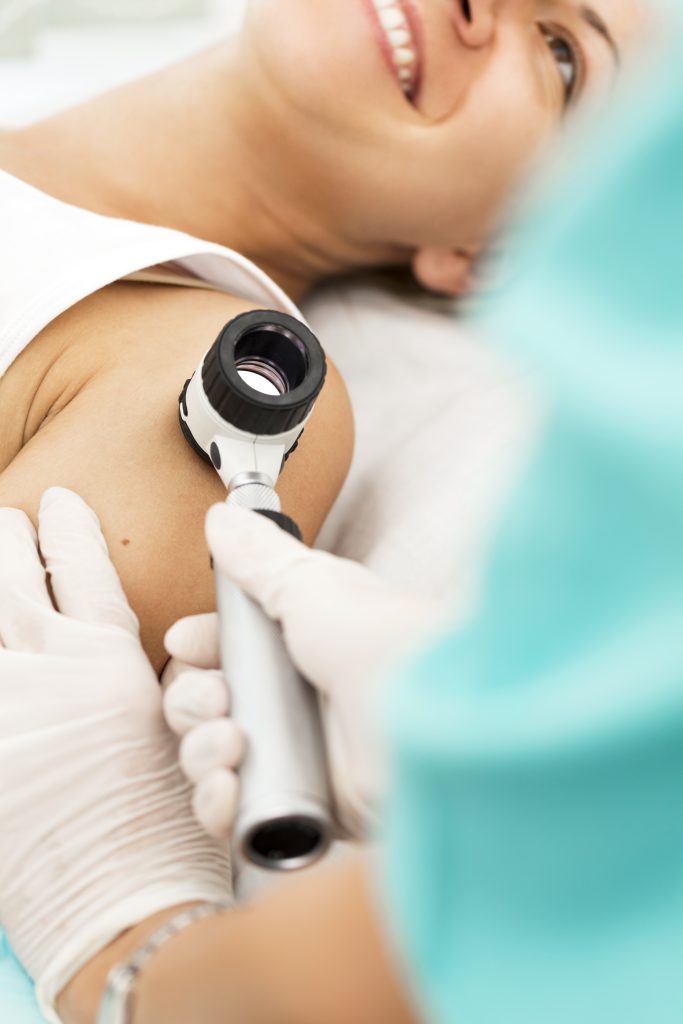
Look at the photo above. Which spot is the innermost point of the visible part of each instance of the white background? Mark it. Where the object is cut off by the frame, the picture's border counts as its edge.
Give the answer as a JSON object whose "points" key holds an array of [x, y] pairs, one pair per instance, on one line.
{"points": [[71, 62]]}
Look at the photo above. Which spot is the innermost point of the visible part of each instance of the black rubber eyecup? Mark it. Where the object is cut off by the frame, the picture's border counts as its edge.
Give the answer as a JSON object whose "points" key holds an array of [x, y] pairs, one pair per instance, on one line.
{"points": [[285, 351]]}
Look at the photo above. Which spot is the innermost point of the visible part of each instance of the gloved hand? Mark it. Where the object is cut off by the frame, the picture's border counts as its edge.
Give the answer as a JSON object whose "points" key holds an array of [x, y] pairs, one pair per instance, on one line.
{"points": [[343, 627], [196, 705], [95, 815]]}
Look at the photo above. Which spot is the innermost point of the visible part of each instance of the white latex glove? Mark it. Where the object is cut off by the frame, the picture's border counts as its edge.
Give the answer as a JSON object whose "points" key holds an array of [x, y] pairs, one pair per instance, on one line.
{"points": [[343, 626], [95, 815], [196, 704]]}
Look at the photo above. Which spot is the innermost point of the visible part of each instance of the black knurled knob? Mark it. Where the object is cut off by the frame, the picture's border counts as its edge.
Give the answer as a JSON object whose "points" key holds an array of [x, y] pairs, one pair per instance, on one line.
{"points": [[287, 349]]}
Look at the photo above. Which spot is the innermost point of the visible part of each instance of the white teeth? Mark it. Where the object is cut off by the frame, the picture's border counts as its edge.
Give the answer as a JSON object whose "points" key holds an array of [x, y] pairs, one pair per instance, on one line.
{"points": [[398, 34], [399, 37], [404, 56], [391, 17]]}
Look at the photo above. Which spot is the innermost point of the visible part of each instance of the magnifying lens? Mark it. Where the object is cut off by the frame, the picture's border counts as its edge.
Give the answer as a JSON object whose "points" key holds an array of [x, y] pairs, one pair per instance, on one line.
{"points": [[243, 411]]}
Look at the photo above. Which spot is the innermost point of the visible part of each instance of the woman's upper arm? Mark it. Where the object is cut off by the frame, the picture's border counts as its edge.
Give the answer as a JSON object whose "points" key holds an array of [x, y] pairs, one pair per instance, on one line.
{"points": [[313, 949], [118, 444], [342, 965]]}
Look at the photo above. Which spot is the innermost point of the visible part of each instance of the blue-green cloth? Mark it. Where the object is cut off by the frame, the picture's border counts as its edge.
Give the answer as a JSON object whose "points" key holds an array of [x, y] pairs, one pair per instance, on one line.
{"points": [[533, 864], [17, 999]]}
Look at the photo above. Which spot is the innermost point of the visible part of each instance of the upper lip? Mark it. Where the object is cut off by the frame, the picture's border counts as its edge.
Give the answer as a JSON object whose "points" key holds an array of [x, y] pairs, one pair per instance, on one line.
{"points": [[450, 26], [459, 14], [461, 21]]}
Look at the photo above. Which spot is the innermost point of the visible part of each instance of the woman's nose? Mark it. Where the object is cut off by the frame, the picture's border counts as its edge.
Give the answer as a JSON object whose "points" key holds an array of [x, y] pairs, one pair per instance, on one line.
{"points": [[476, 21]]}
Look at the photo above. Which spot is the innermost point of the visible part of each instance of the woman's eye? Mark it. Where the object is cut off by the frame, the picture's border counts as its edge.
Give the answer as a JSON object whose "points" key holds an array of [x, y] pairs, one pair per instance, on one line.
{"points": [[567, 60]]}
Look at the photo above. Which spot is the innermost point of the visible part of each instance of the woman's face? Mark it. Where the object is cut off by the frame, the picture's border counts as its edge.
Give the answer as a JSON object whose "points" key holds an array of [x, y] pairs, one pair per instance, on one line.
{"points": [[412, 119]]}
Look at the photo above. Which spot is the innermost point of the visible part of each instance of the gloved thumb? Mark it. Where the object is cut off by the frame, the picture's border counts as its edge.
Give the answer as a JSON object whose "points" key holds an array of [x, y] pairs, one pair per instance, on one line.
{"points": [[194, 641], [257, 555], [193, 697]]}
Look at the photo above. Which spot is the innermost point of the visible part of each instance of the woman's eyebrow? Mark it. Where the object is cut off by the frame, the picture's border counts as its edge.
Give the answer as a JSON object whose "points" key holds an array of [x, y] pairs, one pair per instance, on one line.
{"points": [[592, 18]]}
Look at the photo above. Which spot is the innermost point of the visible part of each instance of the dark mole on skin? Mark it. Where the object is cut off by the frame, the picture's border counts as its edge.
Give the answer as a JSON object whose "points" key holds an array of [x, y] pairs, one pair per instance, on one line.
{"points": [[125, 542]]}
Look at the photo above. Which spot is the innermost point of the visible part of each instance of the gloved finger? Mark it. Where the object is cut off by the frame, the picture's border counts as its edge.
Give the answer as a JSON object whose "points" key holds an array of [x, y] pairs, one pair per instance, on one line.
{"points": [[196, 696], [23, 586], [170, 672], [215, 744], [256, 555], [215, 802], [194, 640], [85, 583]]}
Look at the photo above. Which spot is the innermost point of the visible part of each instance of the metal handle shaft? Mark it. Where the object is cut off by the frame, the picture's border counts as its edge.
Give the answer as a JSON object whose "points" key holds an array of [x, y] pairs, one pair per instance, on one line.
{"points": [[284, 821]]}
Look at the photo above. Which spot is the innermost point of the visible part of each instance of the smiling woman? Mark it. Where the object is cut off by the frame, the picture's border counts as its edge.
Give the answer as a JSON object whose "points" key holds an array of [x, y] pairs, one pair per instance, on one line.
{"points": [[401, 41], [461, 98], [283, 143]]}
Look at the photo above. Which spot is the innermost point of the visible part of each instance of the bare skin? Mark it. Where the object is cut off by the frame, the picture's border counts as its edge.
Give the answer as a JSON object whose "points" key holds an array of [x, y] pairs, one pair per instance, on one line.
{"points": [[92, 405], [243, 966]]}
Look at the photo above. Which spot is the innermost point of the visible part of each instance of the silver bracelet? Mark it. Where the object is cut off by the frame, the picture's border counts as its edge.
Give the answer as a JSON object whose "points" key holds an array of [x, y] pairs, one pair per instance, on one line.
{"points": [[116, 1006]]}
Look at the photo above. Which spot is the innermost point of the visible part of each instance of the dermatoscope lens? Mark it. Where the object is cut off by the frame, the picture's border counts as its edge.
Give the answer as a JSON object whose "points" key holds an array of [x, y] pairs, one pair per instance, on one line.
{"points": [[271, 360], [262, 376]]}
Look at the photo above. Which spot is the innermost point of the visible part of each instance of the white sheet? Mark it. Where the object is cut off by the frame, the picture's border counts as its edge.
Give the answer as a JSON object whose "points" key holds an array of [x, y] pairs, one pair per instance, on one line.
{"points": [[442, 424]]}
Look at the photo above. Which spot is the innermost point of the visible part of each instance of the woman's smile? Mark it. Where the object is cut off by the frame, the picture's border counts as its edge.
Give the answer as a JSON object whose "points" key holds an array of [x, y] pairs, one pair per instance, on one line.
{"points": [[397, 30], [407, 124]]}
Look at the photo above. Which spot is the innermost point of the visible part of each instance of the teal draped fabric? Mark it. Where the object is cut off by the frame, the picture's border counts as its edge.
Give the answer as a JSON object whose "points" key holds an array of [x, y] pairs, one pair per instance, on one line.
{"points": [[533, 864], [17, 1000]]}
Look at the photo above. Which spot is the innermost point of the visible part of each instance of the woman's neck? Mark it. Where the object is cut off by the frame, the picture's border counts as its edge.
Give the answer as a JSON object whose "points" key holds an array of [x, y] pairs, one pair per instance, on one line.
{"points": [[183, 149]]}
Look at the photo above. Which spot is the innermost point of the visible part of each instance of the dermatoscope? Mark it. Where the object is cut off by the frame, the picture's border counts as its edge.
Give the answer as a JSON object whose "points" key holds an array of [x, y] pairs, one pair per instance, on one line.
{"points": [[243, 411]]}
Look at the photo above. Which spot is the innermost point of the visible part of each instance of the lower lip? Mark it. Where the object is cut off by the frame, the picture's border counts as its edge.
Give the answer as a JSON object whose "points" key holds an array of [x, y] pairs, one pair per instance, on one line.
{"points": [[385, 46]]}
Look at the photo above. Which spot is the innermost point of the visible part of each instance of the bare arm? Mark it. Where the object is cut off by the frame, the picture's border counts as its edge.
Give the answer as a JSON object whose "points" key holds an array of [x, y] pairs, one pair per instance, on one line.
{"points": [[311, 952], [103, 384]]}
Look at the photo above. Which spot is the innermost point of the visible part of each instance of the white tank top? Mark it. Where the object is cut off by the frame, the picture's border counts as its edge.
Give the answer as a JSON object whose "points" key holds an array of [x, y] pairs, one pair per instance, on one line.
{"points": [[53, 254]]}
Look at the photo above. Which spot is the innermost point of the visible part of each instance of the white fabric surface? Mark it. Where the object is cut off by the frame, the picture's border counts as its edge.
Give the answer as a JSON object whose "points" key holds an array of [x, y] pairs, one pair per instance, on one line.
{"points": [[441, 426], [72, 61], [52, 255]]}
